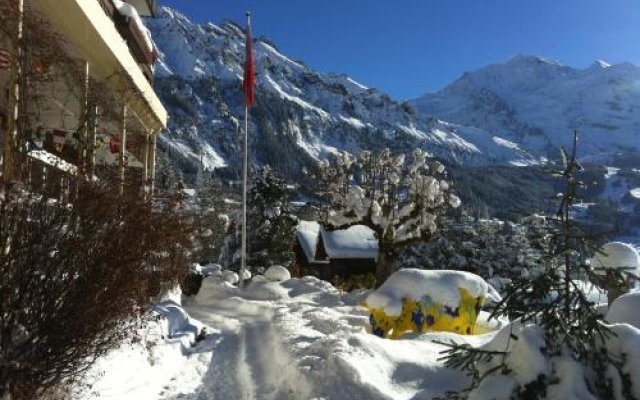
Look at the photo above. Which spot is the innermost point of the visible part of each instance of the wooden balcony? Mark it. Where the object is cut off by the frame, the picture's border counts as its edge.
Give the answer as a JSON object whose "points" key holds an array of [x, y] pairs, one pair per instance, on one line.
{"points": [[134, 36]]}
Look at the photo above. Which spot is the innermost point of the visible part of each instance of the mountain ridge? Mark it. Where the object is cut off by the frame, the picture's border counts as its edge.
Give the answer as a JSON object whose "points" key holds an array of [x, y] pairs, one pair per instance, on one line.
{"points": [[538, 102], [301, 117]]}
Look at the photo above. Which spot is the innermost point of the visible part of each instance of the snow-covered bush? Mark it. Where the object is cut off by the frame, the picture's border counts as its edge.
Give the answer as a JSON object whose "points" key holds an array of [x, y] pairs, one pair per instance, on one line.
{"points": [[75, 279], [401, 199]]}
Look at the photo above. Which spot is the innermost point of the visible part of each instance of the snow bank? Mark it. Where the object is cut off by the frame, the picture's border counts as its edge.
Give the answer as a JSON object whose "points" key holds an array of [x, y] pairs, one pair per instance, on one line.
{"points": [[625, 309], [142, 367], [277, 274], [626, 345], [439, 286]]}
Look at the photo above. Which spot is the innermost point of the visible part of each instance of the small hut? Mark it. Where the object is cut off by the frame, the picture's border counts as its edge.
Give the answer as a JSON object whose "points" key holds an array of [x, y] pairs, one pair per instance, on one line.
{"points": [[327, 254]]}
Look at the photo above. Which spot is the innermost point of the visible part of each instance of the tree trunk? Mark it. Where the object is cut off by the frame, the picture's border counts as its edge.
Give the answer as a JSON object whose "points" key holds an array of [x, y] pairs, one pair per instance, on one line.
{"points": [[383, 266]]}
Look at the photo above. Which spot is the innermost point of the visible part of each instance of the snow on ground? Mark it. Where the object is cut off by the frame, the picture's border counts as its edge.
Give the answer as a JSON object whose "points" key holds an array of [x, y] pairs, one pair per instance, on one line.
{"points": [[298, 339], [304, 339]]}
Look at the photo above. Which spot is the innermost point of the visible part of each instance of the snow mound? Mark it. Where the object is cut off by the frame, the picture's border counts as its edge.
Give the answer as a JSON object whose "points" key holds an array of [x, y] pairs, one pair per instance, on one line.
{"points": [[230, 277], [616, 255], [440, 286], [176, 322], [246, 275], [277, 273], [624, 310], [626, 343]]}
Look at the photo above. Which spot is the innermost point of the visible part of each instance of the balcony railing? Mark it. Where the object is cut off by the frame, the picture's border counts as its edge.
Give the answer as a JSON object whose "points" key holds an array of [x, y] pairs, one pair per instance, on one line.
{"points": [[135, 37]]}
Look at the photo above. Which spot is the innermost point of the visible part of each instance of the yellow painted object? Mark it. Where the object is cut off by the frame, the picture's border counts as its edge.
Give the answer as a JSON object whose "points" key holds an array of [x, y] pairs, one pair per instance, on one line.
{"points": [[425, 315]]}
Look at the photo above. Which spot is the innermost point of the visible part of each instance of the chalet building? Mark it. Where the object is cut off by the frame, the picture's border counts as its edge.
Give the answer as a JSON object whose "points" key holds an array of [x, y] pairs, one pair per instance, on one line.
{"points": [[77, 100], [327, 254]]}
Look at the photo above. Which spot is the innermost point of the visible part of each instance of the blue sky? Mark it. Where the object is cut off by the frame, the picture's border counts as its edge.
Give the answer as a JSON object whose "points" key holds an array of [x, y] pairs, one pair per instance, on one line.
{"points": [[408, 47]]}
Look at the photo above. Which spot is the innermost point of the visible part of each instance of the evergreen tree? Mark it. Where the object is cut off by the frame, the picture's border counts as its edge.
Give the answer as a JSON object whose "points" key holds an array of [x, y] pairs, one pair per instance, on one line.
{"points": [[209, 212], [551, 300], [271, 220]]}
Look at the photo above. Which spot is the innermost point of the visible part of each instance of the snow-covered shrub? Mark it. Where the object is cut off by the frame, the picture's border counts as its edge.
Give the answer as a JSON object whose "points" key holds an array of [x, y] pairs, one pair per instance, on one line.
{"points": [[401, 199], [75, 279]]}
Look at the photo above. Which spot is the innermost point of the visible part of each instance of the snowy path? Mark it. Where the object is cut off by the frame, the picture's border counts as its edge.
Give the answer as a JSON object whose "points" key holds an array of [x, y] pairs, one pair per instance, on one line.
{"points": [[248, 360], [300, 339]]}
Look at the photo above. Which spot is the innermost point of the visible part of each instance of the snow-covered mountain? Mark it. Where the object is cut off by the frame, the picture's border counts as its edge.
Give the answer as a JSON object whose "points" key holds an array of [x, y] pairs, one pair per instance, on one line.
{"points": [[537, 103], [301, 115]]}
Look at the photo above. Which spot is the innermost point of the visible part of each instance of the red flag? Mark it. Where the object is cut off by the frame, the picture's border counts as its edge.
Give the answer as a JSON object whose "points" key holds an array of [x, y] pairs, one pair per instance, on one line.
{"points": [[249, 81]]}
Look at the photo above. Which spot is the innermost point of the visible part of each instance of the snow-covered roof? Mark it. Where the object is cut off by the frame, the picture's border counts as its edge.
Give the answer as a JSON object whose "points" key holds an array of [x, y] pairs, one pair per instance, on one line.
{"points": [[358, 241], [307, 233]]}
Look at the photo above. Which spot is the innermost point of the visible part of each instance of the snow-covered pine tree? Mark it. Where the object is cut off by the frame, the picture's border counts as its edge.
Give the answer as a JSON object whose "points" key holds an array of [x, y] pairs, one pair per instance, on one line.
{"points": [[271, 220], [209, 224], [400, 198], [550, 303]]}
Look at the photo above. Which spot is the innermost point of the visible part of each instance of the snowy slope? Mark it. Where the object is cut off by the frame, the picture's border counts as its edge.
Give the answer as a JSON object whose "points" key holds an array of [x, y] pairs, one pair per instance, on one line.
{"points": [[537, 103], [301, 115]]}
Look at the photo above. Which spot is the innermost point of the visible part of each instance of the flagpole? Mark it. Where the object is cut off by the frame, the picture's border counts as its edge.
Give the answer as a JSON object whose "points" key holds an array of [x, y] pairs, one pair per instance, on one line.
{"points": [[245, 167]]}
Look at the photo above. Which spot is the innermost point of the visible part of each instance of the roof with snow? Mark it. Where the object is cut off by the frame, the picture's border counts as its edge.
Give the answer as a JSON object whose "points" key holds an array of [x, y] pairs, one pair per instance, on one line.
{"points": [[356, 242], [307, 233]]}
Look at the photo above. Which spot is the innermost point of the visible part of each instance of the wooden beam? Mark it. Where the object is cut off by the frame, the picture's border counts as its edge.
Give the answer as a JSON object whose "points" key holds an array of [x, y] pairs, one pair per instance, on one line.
{"points": [[123, 149], [10, 166], [153, 164], [145, 165]]}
